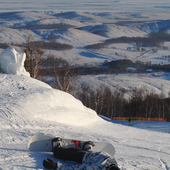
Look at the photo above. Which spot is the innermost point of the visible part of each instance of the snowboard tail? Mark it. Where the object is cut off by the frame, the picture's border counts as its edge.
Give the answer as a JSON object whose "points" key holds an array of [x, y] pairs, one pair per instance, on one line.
{"points": [[43, 143]]}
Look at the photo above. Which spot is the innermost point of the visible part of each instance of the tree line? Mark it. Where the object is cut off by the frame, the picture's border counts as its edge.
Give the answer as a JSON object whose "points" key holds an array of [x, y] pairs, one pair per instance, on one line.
{"points": [[155, 39], [140, 103], [30, 26]]}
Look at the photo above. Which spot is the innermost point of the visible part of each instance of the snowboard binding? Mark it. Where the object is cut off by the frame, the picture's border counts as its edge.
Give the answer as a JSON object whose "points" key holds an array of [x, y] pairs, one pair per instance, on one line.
{"points": [[56, 142], [87, 146]]}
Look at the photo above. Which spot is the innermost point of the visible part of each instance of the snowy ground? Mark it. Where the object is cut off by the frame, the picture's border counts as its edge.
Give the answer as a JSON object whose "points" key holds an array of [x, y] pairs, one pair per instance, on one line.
{"points": [[29, 106], [157, 82]]}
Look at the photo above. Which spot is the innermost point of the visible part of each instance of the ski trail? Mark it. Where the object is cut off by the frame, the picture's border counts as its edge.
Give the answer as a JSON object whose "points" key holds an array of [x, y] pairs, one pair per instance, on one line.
{"points": [[164, 164]]}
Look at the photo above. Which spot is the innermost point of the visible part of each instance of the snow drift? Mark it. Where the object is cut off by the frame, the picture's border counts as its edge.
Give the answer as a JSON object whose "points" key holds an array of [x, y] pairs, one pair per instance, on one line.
{"points": [[36, 99]]}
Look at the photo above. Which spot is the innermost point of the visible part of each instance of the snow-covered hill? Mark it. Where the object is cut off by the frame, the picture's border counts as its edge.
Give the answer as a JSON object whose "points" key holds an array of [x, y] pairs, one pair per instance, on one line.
{"points": [[80, 29], [28, 106], [158, 82], [85, 28]]}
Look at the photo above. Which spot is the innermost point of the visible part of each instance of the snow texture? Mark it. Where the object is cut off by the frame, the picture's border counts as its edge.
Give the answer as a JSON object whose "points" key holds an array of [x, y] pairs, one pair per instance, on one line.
{"points": [[12, 62]]}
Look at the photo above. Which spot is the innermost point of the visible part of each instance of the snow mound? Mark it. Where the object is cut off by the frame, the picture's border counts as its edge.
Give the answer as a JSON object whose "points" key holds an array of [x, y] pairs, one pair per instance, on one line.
{"points": [[37, 100], [62, 107], [12, 62]]}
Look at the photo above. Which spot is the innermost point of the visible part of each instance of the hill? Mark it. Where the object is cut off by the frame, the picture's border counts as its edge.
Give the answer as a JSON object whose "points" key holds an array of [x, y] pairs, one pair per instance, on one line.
{"points": [[29, 106], [78, 29]]}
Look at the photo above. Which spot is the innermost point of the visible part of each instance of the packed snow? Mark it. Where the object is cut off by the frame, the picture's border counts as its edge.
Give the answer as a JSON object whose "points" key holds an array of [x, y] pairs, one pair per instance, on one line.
{"points": [[29, 107]]}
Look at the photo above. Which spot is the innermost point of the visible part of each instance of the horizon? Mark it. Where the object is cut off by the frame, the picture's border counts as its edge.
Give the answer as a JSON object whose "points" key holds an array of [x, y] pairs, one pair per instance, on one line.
{"points": [[85, 6]]}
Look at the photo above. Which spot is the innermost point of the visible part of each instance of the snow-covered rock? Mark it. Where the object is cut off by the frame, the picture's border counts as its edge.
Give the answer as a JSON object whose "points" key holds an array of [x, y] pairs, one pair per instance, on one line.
{"points": [[12, 62]]}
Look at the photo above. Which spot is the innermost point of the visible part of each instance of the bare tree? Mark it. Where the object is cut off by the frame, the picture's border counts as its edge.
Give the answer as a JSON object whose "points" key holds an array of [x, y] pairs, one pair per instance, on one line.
{"points": [[64, 74], [34, 57], [162, 97], [99, 100], [84, 96]]}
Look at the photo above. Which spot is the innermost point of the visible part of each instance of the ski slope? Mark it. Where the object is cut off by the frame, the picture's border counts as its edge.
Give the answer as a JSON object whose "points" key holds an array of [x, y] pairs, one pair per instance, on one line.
{"points": [[29, 106]]}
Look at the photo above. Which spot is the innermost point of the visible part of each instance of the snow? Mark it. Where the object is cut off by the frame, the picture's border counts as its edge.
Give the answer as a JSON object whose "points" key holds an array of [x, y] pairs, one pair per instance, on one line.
{"points": [[86, 28], [50, 101], [29, 107], [12, 62], [157, 82]]}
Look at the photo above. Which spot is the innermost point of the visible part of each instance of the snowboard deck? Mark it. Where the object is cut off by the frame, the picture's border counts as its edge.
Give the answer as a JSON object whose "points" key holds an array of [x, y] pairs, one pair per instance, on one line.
{"points": [[42, 143]]}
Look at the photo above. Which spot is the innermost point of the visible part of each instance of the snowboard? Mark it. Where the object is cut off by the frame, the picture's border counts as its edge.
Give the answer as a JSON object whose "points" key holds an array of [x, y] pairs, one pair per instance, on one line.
{"points": [[42, 143]]}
